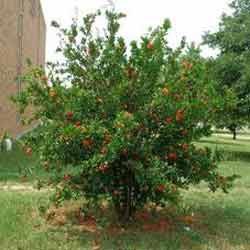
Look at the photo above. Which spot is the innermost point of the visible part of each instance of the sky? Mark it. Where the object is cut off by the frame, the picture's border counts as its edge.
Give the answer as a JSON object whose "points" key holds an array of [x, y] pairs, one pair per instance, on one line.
{"points": [[189, 18]]}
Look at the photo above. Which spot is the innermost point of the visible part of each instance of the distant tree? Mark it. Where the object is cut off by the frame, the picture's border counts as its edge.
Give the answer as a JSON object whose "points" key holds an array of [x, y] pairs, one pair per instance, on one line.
{"points": [[231, 67]]}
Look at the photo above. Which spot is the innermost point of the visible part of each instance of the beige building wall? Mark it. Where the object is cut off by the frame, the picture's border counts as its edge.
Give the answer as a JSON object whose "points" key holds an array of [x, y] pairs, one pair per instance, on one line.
{"points": [[22, 36]]}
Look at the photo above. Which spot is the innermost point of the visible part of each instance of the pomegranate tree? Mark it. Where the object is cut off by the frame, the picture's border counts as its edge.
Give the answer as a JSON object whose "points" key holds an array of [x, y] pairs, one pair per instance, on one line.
{"points": [[120, 121]]}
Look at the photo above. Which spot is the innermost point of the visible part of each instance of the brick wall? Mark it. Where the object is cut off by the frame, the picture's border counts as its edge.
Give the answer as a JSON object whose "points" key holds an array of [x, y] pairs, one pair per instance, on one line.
{"points": [[22, 36]]}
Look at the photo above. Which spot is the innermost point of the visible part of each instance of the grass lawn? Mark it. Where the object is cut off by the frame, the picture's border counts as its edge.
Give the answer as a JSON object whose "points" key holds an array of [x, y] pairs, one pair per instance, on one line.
{"points": [[231, 149], [203, 221], [12, 164], [15, 166]]}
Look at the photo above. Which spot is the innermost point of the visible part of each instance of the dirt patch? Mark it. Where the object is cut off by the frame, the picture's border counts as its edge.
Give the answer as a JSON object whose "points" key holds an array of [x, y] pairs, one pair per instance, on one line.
{"points": [[71, 214], [160, 220]]}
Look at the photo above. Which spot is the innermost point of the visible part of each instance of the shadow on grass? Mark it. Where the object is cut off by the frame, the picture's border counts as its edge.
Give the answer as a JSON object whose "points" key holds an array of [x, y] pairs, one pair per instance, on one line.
{"points": [[229, 133], [220, 143], [235, 155], [229, 154]]}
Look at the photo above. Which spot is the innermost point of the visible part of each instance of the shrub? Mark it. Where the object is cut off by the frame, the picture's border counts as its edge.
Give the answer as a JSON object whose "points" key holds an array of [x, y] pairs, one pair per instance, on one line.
{"points": [[118, 121]]}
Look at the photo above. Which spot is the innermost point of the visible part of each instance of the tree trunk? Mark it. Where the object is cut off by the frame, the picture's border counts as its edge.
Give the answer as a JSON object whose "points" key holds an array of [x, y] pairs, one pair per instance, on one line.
{"points": [[234, 134], [124, 206], [233, 129], [125, 209]]}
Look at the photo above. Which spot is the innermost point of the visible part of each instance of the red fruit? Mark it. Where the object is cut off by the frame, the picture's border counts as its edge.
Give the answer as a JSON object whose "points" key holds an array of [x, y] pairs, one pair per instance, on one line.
{"points": [[67, 177], [160, 188], [185, 146], [44, 79], [187, 65], [184, 132], [172, 156], [28, 151], [103, 168], [169, 120], [179, 116], [104, 150], [150, 46], [87, 143], [78, 124], [69, 115], [131, 73]]}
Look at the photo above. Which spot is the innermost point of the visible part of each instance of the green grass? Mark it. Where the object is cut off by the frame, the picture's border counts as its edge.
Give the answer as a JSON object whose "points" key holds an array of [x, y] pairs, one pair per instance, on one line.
{"points": [[15, 165], [222, 220]]}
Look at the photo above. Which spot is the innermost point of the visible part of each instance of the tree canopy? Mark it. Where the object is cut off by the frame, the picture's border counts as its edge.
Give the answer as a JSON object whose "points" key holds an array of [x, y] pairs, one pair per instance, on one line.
{"points": [[231, 67]]}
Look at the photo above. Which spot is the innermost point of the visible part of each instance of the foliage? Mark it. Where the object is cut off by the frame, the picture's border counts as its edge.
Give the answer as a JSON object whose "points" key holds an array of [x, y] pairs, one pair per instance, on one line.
{"points": [[118, 122], [230, 68]]}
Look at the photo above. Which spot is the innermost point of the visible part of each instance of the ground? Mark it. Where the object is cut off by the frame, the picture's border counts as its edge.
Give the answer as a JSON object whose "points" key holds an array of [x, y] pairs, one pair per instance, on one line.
{"points": [[202, 221]]}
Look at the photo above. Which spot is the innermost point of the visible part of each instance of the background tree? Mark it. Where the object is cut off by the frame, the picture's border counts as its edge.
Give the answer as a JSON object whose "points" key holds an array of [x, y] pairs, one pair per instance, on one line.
{"points": [[119, 122], [231, 67]]}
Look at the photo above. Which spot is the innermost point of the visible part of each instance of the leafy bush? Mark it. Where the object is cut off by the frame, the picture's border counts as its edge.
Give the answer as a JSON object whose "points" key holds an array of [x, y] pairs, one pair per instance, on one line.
{"points": [[118, 122]]}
